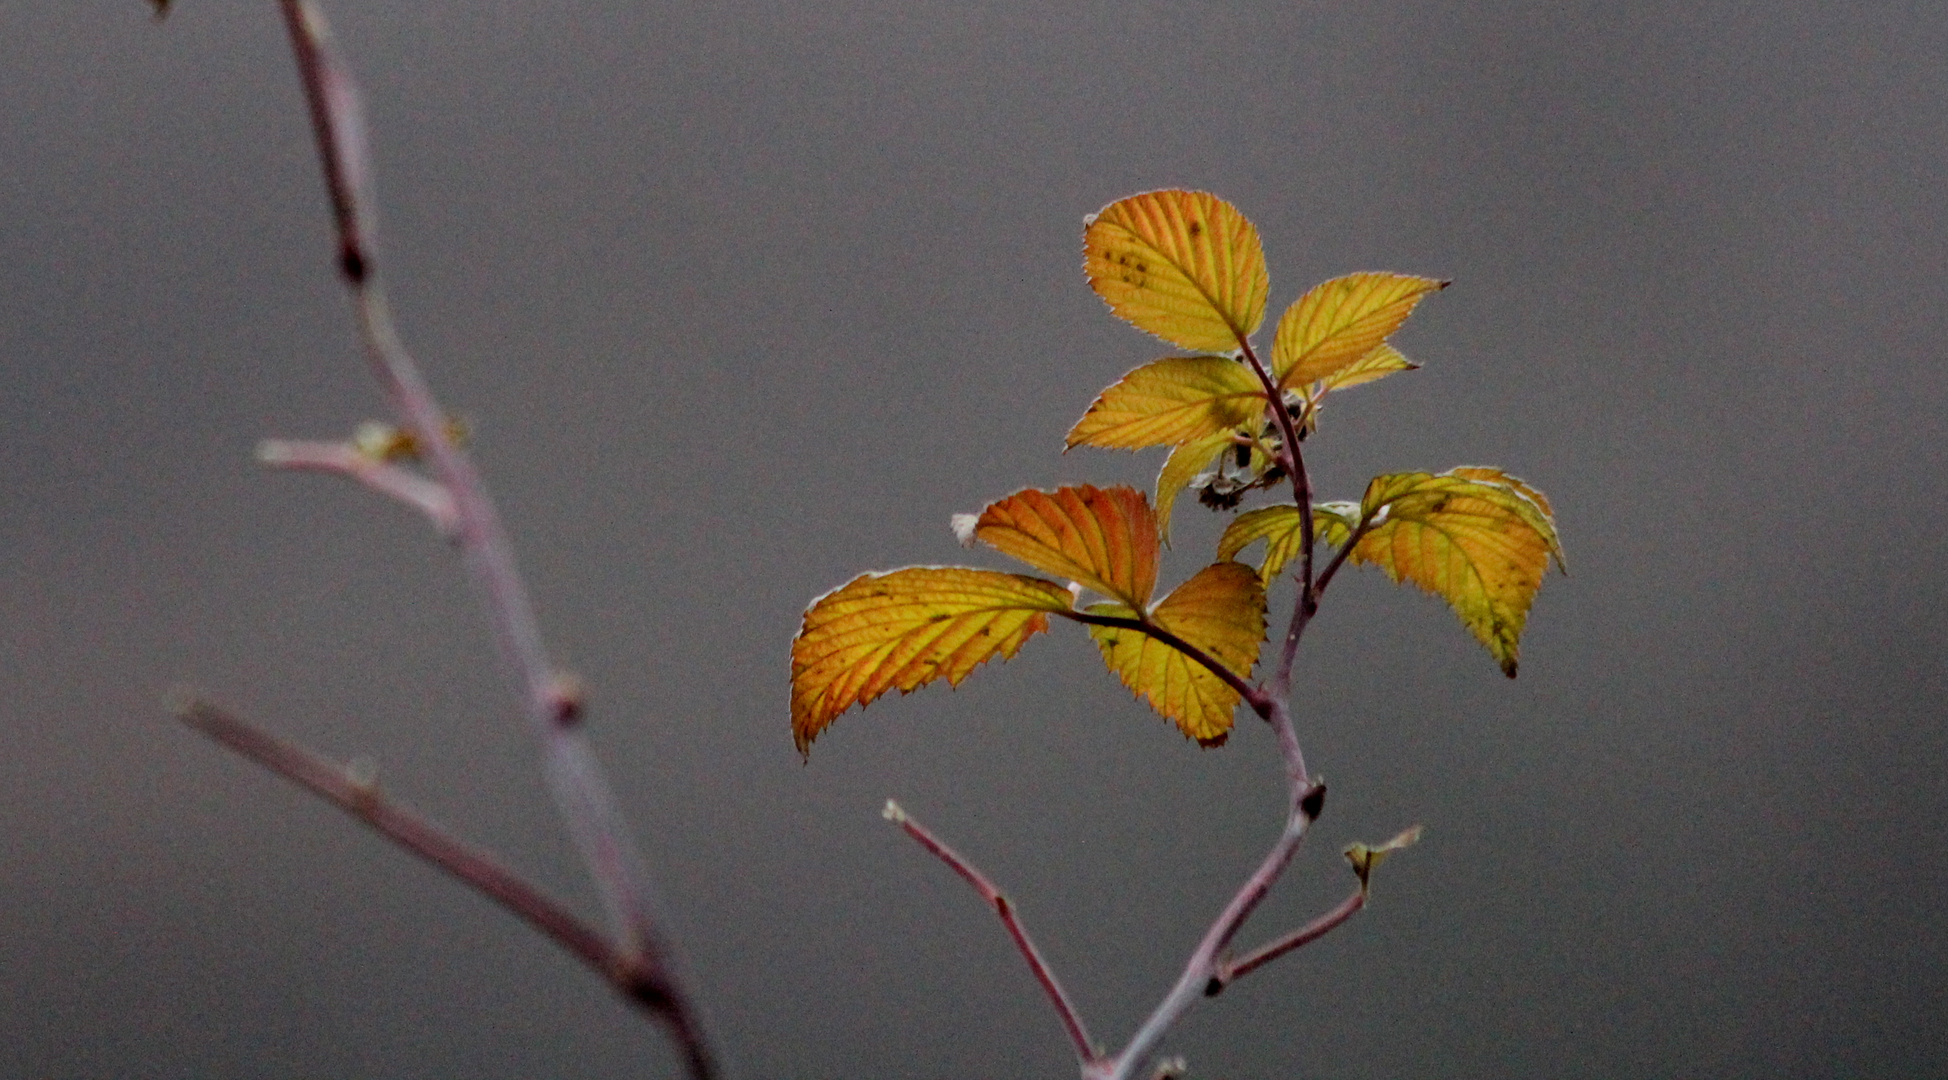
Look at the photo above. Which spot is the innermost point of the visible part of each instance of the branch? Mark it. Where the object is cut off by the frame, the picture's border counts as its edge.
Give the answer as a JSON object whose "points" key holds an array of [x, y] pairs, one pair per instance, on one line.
{"points": [[580, 790], [1085, 1049], [361, 798], [1230, 971], [344, 459], [1203, 963]]}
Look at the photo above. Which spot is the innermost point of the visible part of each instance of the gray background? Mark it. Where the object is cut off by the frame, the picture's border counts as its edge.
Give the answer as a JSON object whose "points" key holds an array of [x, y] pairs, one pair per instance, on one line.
{"points": [[744, 298]]}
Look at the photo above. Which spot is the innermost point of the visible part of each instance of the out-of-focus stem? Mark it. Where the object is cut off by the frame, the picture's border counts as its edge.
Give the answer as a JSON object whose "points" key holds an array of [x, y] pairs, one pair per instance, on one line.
{"points": [[1085, 1048], [362, 798], [429, 497], [576, 781]]}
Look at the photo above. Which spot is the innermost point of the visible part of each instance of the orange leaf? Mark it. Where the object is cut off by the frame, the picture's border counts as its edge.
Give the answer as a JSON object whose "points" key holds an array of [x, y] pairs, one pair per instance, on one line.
{"points": [[1337, 323], [901, 630], [1105, 538], [1183, 265], [1220, 610], [1171, 402]]}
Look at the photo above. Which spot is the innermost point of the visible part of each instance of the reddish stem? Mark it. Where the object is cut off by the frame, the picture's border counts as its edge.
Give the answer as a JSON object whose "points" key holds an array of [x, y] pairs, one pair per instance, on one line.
{"points": [[1085, 1049], [1229, 971]]}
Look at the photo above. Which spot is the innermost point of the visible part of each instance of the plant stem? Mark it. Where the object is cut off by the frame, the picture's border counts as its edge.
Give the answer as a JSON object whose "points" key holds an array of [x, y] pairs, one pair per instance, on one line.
{"points": [[1230, 971], [429, 497], [1085, 1048], [576, 781], [362, 799], [1203, 963]]}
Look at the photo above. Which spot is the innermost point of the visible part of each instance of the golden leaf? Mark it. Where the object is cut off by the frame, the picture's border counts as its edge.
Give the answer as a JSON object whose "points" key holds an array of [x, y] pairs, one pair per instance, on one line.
{"points": [[1183, 265], [1283, 533], [1105, 538], [1171, 402], [1378, 364], [1481, 546], [1545, 523], [1220, 610], [1181, 467], [1278, 526], [903, 629], [1338, 323]]}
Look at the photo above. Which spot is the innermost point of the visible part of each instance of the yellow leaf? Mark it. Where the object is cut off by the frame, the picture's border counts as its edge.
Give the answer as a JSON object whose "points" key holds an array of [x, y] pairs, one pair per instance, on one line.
{"points": [[1378, 364], [1338, 323], [1220, 610], [1105, 538], [1546, 525], [1280, 528], [1183, 265], [1365, 858], [1171, 402], [1481, 546], [1181, 467], [901, 630]]}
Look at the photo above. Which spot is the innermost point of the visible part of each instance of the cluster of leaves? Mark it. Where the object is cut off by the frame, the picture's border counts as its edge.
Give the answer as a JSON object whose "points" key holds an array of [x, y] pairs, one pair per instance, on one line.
{"points": [[1188, 267]]}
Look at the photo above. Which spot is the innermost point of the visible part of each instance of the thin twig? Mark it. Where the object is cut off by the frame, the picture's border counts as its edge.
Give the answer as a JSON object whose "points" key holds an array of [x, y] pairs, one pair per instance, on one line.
{"points": [[1230, 971], [580, 790], [361, 798], [429, 497], [1085, 1048]]}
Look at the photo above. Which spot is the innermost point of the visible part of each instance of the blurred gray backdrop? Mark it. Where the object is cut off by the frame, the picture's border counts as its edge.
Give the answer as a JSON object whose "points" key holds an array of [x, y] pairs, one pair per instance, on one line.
{"points": [[743, 298]]}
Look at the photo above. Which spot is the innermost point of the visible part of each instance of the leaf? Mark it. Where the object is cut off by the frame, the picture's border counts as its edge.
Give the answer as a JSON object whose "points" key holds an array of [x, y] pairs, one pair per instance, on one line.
{"points": [[1338, 323], [1378, 364], [1482, 547], [1171, 402], [1181, 467], [1334, 522], [1183, 265], [1365, 858], [1547, 524], [1280, 528], [903, 629], [1220, 610], [1105, 538]]}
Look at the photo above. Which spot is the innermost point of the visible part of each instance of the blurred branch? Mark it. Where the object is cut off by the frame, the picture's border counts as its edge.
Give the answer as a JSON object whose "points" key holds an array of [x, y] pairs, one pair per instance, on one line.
{"points": [[641, 962], [427, 496], [361, 797], [1085, 1049]]}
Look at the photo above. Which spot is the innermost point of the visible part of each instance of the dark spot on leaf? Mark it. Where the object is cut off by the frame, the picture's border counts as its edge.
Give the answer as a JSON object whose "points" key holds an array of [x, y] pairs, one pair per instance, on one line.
{"points": [[1196, 229]]}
